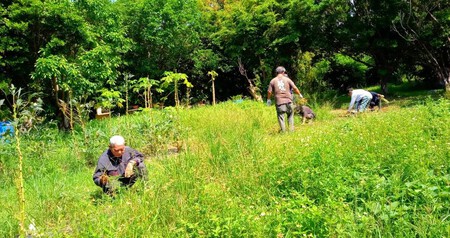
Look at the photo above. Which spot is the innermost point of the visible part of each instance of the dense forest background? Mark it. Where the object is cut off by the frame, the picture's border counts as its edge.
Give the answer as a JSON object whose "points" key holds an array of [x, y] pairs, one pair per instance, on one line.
{"points": [[115, 54]]}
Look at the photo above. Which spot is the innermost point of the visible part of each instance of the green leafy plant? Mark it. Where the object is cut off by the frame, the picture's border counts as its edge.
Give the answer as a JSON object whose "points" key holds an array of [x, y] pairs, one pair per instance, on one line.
{"points": [[25, 109], [109, 99], [213, 75], [145, 86], [174, 78]]}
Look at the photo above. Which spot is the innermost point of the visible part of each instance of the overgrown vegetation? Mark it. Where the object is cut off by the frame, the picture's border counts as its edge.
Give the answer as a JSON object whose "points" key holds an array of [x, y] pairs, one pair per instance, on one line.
{"points": [[379, 174]]}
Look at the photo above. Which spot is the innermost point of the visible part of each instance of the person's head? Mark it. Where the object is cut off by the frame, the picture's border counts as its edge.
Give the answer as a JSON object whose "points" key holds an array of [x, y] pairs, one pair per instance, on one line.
{"points": [[117, 145], [280, 70], [350, 91]]}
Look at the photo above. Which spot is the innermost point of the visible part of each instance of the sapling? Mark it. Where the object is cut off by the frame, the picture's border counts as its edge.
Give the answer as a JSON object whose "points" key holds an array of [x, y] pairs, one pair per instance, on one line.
{"points": [[146, 85], [171, 77], [79, 113], [127, 78], [213, 75], [23, 109]]}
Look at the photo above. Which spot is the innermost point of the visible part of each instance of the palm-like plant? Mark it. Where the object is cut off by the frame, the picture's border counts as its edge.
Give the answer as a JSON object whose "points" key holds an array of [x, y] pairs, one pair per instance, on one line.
{"points": [[213, 75]]}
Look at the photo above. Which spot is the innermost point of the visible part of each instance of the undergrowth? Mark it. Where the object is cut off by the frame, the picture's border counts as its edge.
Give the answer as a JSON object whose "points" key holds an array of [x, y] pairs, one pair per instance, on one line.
{"points": [[384, 174]]}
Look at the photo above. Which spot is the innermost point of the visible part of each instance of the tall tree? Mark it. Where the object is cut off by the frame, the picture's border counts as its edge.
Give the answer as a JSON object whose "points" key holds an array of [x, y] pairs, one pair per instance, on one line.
{"points": [[426, 25], [80, 41], [355, 28], [166, 33], [372, 20], [248, 33]]}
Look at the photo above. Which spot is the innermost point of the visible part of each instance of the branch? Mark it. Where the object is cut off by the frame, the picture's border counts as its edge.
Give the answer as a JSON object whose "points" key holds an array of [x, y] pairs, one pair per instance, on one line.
{"points": [[360, 61], [243, 71], [436, 20]]}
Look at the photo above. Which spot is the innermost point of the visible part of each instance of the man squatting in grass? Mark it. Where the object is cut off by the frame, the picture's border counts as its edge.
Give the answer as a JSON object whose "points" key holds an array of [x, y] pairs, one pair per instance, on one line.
{"points": [[121, 161], [281, 87], [360, 98]]}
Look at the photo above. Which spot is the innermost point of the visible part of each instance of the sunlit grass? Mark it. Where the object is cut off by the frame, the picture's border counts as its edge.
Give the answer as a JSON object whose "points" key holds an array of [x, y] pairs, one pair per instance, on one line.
{"points": [[377, 174]]}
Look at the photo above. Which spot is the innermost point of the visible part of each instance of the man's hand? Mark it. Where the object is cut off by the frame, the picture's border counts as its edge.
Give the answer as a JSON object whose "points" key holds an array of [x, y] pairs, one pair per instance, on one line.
{"points": [[104, 179], [269, 102], [302, 101], [129, 171]]}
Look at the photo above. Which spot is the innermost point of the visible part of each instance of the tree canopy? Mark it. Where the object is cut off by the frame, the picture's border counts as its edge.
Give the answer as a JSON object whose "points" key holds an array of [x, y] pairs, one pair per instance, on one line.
{"points": [[80, 48]]}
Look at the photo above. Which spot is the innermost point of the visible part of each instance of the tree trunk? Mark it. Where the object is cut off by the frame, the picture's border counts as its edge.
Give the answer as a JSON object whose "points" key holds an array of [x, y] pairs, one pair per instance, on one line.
{"points": [[253, 90], [177, 101], [63, 112], [213, 93], [384, 88], [150, 98], [447, 84]]}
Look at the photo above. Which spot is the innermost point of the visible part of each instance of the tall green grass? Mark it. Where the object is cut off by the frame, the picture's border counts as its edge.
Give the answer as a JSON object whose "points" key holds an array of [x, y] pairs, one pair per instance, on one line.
{"points": [[383, 174]]}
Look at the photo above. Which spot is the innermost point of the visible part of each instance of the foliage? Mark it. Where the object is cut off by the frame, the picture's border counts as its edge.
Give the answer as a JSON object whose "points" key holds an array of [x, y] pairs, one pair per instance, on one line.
{"points": [[174, 78], [347, 72], [426, 28], [250, 31], [110, 98], [146, 85], [372, 175], [24, 112], [166, 34], [68, 47], [311, 75], [213, 74], [27, 108], [66, 76], [81, 48]]}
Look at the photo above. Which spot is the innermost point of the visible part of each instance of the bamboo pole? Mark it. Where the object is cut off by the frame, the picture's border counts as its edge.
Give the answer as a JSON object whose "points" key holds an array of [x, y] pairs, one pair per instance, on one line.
{"points": [[21, 188]]}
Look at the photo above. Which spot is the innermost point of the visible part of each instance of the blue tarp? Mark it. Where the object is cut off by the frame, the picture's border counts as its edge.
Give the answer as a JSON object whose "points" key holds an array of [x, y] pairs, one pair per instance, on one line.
{"points": [[6, 128]]}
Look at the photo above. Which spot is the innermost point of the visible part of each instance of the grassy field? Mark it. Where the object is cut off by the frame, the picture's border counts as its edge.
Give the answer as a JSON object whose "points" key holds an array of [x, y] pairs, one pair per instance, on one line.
{"points": [[380, 174]]}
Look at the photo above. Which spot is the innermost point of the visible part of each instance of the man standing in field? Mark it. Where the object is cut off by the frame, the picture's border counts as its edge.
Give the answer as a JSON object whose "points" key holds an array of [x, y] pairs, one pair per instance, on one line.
{"points": [[120, 165], [281, 87], [360, 98]]}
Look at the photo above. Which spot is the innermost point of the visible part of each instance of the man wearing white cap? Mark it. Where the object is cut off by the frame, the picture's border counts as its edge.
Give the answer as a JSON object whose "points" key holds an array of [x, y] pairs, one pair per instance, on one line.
{"points": [[119, 161]]}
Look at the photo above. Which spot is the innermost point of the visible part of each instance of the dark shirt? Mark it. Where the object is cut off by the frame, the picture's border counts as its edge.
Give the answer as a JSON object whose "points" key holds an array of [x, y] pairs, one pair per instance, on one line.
{"points": [[375, 99]]}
